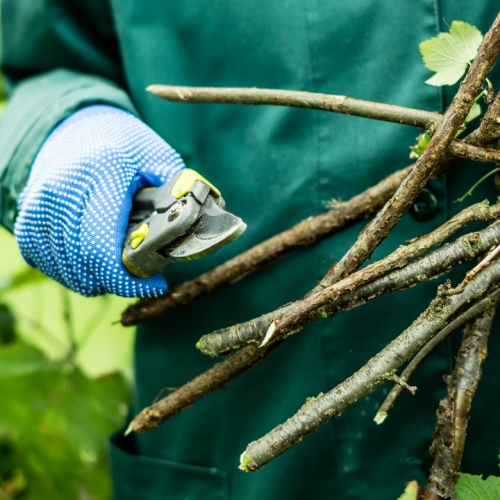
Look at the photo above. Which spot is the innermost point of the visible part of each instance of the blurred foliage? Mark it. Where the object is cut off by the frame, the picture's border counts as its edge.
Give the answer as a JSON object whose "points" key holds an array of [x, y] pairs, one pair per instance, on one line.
{"points": [[53, 424], [56, 415], [64, 383]]}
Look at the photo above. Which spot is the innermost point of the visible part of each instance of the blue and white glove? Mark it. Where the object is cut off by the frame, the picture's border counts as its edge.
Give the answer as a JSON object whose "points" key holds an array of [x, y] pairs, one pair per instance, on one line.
{"points": [[74, 209]]}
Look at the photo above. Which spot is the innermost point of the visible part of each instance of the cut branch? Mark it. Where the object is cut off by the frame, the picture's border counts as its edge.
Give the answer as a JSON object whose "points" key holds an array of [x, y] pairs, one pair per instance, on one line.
{"points": [[465, 248], [306, 232], [391, 214], [445, 310], [453, 413], [422, 269], [333, 103]]}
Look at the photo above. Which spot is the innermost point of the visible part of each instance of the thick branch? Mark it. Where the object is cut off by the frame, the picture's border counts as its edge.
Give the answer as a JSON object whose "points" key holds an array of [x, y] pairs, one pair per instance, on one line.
{"points": [[444, 311], [305, 232], [465, 248], [422, 269], [453, 412]]}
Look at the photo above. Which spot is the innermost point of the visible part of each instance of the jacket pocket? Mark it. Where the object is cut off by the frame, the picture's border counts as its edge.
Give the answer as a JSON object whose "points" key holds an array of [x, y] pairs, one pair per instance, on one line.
{"points": [[139, 477]]}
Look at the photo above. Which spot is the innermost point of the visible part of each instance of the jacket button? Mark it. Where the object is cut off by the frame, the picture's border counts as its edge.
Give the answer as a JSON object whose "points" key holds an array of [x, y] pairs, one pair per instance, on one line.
{"points": [[425, 206]]}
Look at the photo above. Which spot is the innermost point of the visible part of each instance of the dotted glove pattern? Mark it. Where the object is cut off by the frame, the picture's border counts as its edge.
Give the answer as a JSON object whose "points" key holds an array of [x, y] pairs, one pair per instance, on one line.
{"points": [[73, 211]]}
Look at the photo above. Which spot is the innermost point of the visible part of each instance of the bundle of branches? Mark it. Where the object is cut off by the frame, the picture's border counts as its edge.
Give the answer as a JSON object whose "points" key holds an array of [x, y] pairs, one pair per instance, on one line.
{"points": [[346, 286]]}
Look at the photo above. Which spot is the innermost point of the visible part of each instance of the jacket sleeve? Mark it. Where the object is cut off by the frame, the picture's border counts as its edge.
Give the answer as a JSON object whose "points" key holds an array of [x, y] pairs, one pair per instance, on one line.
{"points": [[57, 56]]}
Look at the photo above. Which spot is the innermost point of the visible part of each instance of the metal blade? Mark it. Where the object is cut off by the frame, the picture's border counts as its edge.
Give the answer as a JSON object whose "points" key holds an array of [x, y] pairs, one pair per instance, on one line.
{"points": [[214, 229]]}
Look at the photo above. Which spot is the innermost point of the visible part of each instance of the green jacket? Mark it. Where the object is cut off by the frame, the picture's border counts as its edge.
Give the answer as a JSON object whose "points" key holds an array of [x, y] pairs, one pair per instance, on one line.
{"points": [[274, 166]]}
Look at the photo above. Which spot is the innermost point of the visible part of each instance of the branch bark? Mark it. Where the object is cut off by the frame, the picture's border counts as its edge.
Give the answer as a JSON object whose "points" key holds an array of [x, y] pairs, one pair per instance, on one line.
{"points": [[417, 361], [465, 248], [422, 269], [445, 310], [305, 232], [474, 153], [453, 412]]}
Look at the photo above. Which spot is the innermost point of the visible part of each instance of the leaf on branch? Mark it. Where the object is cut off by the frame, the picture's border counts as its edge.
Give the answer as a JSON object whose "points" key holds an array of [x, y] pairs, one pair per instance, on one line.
{"points": [[471, 487], [450, 53], [411, 491], [419, 148]]}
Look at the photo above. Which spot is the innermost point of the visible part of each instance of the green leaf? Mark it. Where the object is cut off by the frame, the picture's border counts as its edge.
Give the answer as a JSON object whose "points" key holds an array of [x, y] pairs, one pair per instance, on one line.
{"points": [[411, 491], [471, 487], [450, 53], [422, 142], [19, 359]]}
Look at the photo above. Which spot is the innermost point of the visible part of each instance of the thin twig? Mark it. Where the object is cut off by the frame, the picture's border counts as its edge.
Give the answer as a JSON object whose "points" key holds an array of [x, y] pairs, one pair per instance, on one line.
{"points": [[469, 192], [474, 153], [216, 378], [334, 103], [326, 102], [392, 377]]}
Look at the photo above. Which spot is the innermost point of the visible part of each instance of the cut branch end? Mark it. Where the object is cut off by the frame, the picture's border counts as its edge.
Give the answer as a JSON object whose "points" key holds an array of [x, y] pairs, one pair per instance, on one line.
{"points": [[380, 417]]}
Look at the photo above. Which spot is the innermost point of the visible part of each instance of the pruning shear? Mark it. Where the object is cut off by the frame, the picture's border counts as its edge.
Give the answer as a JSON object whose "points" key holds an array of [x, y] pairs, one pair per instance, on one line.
{"points": [[182, 220]]}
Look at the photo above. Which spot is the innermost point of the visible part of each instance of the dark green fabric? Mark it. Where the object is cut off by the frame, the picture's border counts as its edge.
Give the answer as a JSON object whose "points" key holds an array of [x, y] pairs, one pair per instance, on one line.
{"points": [[276, 166]]}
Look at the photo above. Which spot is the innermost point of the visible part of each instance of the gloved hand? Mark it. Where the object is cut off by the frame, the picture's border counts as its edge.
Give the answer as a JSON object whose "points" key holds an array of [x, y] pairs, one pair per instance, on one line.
{"points": [[74, 209]]}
